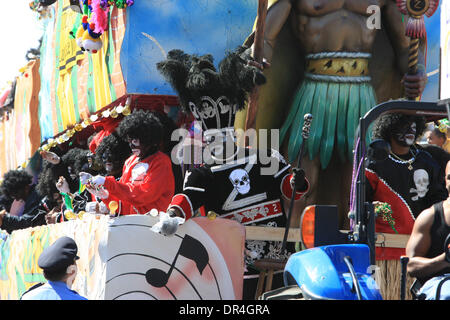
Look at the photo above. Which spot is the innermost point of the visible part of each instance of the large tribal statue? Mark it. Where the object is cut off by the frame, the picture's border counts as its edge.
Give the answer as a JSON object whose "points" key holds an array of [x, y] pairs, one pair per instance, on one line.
{"points": [[328, 58]]}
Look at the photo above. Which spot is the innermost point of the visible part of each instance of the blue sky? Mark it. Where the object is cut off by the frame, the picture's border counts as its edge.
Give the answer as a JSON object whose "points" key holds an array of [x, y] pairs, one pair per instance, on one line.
{"points": [[20, 30]]}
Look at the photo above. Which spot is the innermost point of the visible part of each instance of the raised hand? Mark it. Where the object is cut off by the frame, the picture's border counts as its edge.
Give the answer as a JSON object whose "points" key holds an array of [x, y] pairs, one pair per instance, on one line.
{"points": [[50, 157]]}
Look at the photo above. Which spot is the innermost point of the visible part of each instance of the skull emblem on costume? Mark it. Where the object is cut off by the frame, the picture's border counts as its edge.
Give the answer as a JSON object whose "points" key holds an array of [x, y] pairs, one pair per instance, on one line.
{"points": [[240, 180], [421, 180], [208, 108]]}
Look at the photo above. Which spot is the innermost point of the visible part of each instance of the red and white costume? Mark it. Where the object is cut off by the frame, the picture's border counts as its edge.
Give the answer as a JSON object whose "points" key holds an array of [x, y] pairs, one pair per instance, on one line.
{"points": [[144, 185]]}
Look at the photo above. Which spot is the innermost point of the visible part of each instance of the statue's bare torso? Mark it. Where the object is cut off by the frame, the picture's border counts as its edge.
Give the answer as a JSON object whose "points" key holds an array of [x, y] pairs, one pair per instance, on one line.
{"points": [[334, 25]]}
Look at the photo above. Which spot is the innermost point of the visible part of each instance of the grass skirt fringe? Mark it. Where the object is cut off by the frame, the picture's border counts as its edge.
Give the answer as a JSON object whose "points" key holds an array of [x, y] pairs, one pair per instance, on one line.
{"points": [[336, 108]]}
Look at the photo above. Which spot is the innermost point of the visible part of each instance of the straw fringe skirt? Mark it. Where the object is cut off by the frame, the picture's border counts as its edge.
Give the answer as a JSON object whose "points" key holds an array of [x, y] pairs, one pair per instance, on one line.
{"points": [[389, 280]]}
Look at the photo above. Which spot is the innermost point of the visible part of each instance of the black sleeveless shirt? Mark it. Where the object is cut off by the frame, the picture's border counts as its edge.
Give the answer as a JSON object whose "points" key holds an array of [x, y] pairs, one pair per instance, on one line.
{"points": [[439, 232]]}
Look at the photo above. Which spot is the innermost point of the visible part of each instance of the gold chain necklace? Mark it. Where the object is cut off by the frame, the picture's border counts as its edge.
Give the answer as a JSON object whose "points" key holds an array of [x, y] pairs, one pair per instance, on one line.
{"points": [[400, 160]]}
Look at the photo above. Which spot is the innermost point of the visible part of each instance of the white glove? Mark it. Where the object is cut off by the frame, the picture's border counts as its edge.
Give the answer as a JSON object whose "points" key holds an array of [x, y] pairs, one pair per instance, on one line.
{"points": [[167, 225], [91, 206], [62, 185], [85, 177], [103, 208], [98, 180], [101, 192]]}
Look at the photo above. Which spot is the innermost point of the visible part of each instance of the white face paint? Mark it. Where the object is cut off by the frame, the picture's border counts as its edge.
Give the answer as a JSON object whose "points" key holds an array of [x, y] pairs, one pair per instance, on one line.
{"points": [[407, 135], [135, 147], [410, 137], [108, 166], [71, 173]]}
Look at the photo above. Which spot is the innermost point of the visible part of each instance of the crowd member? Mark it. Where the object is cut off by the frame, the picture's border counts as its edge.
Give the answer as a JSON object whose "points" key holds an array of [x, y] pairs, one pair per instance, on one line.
{"points": [[233, 182], [5, 202], [58, 262], [62, 176], [51, 195], [17, 184], [111, 153], [438, 137], [409, 179], [46, 185], [76, 161], [67, 165], [425, 248], [147, 180]]}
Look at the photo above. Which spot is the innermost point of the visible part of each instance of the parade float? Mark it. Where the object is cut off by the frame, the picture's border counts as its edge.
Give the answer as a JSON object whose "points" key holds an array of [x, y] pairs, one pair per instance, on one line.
{"points": [[72, 93]]}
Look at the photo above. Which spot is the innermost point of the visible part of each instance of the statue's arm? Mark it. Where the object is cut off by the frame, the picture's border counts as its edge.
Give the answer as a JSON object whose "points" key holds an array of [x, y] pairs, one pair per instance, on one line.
{"points": [[395, 27], [414, 83], [275, 19]]}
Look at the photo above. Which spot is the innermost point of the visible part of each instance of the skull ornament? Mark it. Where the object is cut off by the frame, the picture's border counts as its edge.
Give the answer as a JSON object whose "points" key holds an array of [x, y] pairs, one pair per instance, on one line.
{"points": [[240, 180], [421, 180]]}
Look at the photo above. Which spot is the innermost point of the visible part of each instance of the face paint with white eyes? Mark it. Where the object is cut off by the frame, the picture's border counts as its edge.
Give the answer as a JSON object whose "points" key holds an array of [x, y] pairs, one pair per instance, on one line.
{"points": [[407, 135], [71, 173], [135, 146]]}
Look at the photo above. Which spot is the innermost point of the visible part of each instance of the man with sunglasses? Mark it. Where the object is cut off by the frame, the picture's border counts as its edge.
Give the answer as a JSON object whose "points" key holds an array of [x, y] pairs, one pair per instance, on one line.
{"points": [[147, 180]]}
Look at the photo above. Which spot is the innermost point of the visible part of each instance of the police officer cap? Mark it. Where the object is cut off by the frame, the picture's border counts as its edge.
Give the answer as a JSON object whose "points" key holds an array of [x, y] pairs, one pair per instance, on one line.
{"points": [[61, 254]]}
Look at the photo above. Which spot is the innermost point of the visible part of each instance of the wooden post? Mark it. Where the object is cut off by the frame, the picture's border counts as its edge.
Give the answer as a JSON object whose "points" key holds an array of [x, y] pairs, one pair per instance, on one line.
{"points": [[258, 54]]}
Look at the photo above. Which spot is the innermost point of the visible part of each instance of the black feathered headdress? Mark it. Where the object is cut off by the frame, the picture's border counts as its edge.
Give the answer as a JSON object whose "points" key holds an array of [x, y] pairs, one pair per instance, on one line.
{"points": [[212, 96]]}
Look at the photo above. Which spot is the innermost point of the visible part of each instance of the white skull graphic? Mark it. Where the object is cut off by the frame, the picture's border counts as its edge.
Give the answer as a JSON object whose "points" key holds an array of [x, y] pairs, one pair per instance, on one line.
{"points": [[421, 180], [240, 180]]}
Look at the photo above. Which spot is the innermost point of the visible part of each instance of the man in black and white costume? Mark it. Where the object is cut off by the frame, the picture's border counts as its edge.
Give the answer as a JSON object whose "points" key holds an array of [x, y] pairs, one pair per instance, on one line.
{"points": [[242, 184], [408, 179]]}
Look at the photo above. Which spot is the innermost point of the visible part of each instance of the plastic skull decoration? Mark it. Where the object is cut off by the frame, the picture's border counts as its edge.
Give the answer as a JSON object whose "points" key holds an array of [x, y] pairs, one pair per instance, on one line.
{"points": [[240, 180]]}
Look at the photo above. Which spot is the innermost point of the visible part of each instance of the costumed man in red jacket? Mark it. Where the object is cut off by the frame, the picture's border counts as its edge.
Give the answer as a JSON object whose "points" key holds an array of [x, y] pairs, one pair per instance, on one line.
{"points": [[147, 180], [408, 179], [242, 184]]}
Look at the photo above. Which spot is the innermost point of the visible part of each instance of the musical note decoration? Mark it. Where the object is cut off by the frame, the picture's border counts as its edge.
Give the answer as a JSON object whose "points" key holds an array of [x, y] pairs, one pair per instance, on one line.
{"points": [[190, 248]]}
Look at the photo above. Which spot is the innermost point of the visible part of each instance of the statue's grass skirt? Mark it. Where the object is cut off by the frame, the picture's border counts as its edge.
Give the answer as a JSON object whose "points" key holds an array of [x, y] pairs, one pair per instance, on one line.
{"points": [[336, 109]]}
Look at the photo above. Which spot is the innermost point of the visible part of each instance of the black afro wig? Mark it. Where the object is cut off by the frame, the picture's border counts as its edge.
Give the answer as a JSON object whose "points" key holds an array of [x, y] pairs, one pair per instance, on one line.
{"points": [[48, 177], [77, 159], [143, 125], [114, 147], [14, 181], [387, 123]]}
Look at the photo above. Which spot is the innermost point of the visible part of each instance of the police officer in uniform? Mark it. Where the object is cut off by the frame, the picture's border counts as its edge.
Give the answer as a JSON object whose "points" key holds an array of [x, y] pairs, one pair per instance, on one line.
{"points": [[58, 262]]}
